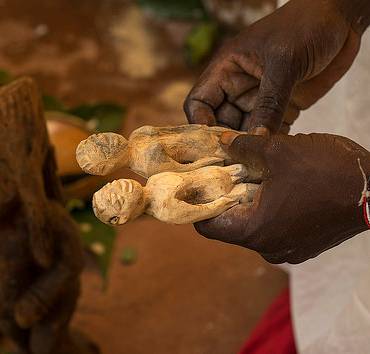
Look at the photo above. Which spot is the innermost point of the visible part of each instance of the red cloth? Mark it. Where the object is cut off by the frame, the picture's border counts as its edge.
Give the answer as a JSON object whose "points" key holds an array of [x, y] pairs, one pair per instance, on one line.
{"points": [[274, 333]]}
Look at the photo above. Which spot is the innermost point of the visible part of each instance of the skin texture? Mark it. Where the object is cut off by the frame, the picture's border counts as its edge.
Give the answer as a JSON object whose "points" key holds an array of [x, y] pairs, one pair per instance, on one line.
{"points": [[259, 82], [277, 67], [307, 201]]}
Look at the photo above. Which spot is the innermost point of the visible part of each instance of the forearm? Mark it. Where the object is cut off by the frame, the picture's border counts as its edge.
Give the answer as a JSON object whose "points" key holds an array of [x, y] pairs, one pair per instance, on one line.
{"points": [[356, 11]]}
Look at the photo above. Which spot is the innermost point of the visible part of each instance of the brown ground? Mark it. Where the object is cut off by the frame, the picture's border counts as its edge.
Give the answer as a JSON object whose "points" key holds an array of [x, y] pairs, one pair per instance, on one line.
{"points": [[185, 294]]}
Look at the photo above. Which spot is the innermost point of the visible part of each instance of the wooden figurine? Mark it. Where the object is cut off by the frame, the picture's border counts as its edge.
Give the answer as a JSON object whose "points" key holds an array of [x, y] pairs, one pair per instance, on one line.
{"points": [[176, 198], [40, 254], [152, 150]]}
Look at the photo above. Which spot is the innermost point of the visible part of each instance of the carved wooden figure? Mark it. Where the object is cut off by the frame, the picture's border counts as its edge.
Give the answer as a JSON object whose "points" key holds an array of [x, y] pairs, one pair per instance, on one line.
{"points": [[40, 253], [151, 150], [176, 198]]}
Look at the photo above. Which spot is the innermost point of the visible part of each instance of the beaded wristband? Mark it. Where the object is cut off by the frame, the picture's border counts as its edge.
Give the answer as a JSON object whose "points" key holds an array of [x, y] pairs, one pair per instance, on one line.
{"points": [[366, 203]]}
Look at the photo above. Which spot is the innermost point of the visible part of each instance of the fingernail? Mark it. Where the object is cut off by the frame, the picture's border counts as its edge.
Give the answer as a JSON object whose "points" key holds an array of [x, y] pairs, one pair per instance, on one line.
{"points": [[260, 131], [227, 138]]}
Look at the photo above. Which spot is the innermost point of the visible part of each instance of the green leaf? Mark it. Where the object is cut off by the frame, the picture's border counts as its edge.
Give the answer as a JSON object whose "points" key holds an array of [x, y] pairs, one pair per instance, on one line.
{"points": [[75, 204], [128, 256], [96, 237], [180, 9], [5, 77], [200, 41], [106, 117], [51, 103]]}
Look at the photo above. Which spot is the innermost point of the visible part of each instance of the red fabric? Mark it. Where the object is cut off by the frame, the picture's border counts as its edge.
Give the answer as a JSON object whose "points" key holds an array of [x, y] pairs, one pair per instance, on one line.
{"points": [[274, 333]]}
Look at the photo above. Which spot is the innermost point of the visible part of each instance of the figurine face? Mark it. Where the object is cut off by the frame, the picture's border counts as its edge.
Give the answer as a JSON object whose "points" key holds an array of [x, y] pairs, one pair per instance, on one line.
{"points": [[100, 154], [119, 201]]}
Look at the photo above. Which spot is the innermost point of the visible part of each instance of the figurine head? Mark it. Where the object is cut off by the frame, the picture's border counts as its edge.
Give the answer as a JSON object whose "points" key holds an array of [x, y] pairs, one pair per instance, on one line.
{"points": [[101, 154], [118, 202]]}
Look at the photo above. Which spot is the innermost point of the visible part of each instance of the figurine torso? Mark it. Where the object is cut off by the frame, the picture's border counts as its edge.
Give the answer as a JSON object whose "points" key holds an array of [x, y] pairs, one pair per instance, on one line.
{"points": [[155, 150], [168, 190]]}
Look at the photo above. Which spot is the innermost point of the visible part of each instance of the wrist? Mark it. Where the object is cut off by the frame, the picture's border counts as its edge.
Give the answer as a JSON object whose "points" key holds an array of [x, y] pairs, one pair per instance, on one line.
{"points": [[356, 12]]}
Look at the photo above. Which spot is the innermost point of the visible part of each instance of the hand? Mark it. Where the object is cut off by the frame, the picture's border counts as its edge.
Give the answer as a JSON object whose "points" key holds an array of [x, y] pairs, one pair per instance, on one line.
{"points": [[277, 67], [307, 201]]}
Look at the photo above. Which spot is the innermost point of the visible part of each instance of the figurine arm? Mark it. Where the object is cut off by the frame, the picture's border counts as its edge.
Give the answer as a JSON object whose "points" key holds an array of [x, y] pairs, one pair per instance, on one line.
{"points": [[158, 160], [181, 212], [192, 166]]}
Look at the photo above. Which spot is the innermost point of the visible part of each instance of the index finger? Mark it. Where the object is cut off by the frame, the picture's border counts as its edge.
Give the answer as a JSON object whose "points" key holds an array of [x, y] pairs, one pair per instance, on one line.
{"points": [[228, 227], [202, 101]]}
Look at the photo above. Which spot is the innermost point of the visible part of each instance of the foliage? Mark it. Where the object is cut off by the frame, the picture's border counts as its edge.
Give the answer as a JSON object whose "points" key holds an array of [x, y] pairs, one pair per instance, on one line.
{"points": [[96, 237], [101, 117], [108, 116], [51, 103], [180, 9], [201, 41], [128, 256], [5, 77]]}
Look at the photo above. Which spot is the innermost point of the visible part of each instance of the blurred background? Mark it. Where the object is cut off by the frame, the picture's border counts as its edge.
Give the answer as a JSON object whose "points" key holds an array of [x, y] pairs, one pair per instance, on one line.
{"points": [[115, 65]]}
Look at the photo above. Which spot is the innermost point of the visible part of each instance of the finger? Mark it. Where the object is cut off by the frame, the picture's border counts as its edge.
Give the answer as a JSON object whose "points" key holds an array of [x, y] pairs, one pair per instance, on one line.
{"points": [[202, 101], [311, 91], [247, 101], [291, 114], [248, 150], [273, 97], [285, 129], [228, 227], [229, 116], [235, 84], [232, 226], [244, 126]]}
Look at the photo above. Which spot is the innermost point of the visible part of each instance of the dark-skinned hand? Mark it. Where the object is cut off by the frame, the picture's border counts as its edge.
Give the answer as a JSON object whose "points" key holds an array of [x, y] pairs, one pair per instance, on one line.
{"points": [[278, 66], [308, 200]]}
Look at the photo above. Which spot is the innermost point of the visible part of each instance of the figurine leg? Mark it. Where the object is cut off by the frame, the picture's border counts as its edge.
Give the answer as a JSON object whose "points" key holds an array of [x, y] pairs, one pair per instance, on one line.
{"points": [[203, 162], [238, 172]]}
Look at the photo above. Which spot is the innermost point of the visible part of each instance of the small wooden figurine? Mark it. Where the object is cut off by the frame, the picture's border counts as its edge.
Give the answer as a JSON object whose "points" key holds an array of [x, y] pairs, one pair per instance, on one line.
{"points": [[176, 198], [40, 255], [152, 150]]}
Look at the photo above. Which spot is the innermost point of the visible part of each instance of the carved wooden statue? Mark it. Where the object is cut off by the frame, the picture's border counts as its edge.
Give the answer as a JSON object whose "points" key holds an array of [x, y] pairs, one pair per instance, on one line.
{"points": [[176, 198], [40, 253], [151, 150]]}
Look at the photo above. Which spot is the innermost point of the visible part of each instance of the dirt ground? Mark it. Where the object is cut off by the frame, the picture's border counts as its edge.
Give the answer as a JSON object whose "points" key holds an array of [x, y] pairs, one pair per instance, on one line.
{"points": [[184, 294]]}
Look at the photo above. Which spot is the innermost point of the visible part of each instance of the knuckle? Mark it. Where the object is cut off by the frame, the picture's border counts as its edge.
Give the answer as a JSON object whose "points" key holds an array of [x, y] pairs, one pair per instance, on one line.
{"points": [[270, 105]]}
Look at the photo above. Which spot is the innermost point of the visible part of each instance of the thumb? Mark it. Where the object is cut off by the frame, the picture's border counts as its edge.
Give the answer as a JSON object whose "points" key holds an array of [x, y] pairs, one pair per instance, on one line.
{"points": [[273, 97], [249, 150]]}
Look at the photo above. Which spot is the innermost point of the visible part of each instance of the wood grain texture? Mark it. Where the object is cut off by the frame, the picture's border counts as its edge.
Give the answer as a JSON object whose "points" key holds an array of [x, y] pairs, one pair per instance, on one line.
{"points": [[40, 257], [175, 197], [151, 150]]}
